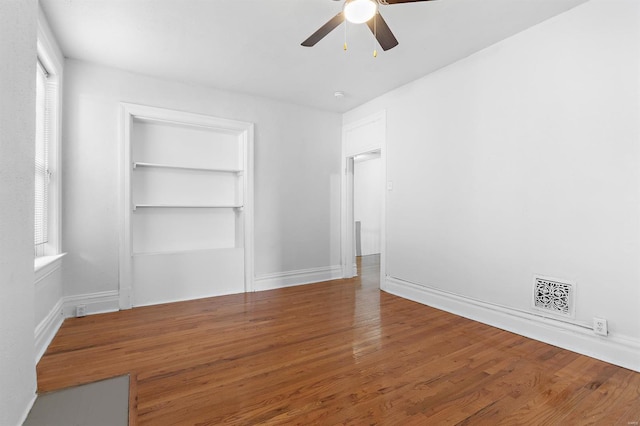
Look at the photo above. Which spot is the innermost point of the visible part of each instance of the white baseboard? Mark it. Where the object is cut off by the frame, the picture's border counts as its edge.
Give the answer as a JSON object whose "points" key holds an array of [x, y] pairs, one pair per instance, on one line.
{"points": [[298, 277], [47, 329], [28, 409], [96, 303], [618, 350]]}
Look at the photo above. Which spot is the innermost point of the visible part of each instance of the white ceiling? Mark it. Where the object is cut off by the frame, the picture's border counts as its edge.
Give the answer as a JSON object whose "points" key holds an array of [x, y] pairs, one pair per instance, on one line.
{"points": [[253, 46]]}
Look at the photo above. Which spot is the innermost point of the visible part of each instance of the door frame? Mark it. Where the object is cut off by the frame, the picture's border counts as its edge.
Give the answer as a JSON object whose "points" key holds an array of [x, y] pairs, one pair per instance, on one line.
{"points": [[363, 136], [244, 130]]}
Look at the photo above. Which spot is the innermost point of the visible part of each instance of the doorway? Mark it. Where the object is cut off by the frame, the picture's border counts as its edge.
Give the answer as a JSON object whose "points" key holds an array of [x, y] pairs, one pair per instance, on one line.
{"points": [[367, 209], [363, 140]]}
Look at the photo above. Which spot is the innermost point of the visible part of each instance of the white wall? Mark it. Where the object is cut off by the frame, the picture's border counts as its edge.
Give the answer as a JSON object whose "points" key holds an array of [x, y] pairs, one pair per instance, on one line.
{"points": [[297, 162], [48, 306], [367, 202], [519, 160], [17, 134], [48, 297], [48, 294]]}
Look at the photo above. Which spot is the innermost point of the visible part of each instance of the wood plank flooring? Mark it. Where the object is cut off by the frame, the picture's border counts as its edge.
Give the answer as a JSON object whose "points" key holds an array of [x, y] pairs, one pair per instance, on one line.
{"points": [[339, 352]]}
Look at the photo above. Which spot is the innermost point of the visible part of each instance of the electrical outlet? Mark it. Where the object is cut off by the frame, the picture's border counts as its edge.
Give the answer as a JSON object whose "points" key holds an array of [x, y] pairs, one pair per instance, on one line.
{"points": [[81, 310], [600, 326]]}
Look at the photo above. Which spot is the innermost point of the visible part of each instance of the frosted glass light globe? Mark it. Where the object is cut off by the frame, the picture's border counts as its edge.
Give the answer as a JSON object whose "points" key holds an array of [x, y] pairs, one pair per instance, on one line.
{"points": [[360, 11]]}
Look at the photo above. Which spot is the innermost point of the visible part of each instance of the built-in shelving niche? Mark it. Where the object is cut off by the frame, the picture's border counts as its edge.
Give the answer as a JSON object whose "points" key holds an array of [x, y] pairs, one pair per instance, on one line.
{"points": [[186, 185]]}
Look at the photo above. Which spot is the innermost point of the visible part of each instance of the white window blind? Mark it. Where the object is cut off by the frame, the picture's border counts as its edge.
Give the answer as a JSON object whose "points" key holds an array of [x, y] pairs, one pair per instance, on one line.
{"points": [[42, 174]]}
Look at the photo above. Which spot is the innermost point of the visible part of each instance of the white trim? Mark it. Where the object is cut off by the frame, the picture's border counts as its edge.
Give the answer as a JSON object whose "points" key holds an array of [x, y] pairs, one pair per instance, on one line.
{"points": [[249, 272], [245, 132], [297, 277], [125, 201], [47, 329], [347, 229], [45, 265], [54, 57], [96, 303], [351, 148], [24, 416], [619, 350]]}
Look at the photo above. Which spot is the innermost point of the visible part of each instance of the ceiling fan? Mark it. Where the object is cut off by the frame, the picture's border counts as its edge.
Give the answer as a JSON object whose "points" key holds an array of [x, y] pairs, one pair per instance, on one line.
{"points": [[359, 12]]}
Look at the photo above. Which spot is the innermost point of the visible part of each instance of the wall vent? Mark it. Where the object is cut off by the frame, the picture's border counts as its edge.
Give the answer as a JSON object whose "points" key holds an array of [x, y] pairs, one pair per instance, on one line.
{"points": [[554, 296]]}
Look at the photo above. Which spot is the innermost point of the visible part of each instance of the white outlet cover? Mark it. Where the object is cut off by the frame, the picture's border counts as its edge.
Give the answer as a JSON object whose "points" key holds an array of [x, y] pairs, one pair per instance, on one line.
{"points": [[600, 326]]}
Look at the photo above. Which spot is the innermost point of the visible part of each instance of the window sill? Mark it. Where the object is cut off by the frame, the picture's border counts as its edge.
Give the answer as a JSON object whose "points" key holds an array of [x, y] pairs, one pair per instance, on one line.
{"points": [[44, 265]]}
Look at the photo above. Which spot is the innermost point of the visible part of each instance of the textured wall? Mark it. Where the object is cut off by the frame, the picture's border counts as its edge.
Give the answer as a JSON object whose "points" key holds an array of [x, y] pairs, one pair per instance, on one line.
{"points": [[17, 132]]}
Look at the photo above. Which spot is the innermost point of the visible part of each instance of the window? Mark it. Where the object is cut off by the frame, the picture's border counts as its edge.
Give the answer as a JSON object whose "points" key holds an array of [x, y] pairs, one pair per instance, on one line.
{"points": [[42, 172], [47, 177]]}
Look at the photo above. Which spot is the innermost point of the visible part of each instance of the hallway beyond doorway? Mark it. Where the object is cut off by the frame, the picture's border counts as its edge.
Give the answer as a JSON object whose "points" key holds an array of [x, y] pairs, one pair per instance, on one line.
{"points": [[369, 270]]}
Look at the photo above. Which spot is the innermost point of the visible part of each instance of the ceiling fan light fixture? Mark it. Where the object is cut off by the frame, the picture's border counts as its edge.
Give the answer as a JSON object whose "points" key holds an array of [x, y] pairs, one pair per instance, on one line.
{"points": [[360, 11]]}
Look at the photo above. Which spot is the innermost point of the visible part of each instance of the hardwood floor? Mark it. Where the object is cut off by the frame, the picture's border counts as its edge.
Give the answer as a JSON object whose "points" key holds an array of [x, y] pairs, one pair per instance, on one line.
{"points": [[339, 352]]}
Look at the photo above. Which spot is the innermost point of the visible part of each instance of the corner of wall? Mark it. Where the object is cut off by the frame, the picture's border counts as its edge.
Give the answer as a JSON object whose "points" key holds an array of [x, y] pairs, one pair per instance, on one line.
{"points": [[23, 417], [94, 303], [65, 307]]}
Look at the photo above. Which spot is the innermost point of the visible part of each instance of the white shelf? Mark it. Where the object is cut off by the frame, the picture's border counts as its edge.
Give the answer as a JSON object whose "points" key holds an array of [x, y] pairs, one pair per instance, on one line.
{"points": [[200, 169], [172, 252], [189, 206]]}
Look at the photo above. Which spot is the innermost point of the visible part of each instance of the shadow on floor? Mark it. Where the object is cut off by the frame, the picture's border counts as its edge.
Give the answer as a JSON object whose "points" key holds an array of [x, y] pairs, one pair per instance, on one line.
{"points": [[103, 403]]}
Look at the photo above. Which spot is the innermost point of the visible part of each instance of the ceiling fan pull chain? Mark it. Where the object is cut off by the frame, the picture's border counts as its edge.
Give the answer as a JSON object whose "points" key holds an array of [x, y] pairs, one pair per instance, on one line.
{"points": [[345, 35], [375, 35]]}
